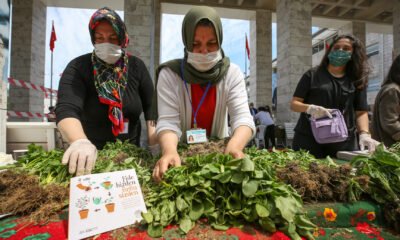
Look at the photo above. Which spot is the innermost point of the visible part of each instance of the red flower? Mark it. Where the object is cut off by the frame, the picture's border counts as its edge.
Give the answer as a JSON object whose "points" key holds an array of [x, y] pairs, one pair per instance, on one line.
{"points": [[279, 236], [368, 230], [371, 216]]}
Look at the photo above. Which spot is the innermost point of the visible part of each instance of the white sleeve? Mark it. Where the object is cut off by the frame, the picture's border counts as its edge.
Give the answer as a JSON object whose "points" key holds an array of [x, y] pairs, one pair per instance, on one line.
{"points": [[238, 105], [168, 102]]}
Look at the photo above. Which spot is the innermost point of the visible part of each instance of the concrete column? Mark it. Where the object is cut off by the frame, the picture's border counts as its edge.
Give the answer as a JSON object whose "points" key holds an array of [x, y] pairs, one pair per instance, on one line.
{"points": [[396, 28], [260, 59], [3, 101], [27, 55], [387, 53], [143, 21], [356, 28], [294, 52]]}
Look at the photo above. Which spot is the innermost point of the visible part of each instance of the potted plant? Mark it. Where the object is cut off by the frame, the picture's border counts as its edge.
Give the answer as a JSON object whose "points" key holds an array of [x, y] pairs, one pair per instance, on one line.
{"points": [[82, 204], [109, 204]]}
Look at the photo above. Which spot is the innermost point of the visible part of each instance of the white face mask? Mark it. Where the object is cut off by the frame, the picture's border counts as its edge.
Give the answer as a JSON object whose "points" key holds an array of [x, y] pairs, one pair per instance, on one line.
{"points": [[204, 62], [108, 52]]}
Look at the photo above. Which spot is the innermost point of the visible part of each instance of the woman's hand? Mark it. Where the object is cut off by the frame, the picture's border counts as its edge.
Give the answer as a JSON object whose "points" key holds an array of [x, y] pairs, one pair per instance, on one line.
{"points": [[234, 152], [169, 143], [240, 138], [365, 140], [168, 159], [80, 156]]}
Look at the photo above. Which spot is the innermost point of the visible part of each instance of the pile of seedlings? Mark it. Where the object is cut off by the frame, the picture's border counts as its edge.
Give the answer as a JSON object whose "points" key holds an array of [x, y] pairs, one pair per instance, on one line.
{"points": [[383, 168], [265, 188], [21, 194], [321, 182], [228, 192]]}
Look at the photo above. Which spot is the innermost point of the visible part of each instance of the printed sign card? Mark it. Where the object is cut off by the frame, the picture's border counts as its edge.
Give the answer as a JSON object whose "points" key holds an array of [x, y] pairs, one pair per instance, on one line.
{"points": [[103, 202]]}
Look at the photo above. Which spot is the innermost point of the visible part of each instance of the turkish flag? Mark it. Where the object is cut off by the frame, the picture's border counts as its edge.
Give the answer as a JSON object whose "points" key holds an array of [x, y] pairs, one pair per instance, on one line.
{"points": [[247, 48], [53, 38]]}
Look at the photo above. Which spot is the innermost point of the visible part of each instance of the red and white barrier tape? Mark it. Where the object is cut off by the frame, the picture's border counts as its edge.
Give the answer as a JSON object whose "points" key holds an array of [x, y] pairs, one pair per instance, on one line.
{"points": [[26, 114], [28, 85]]}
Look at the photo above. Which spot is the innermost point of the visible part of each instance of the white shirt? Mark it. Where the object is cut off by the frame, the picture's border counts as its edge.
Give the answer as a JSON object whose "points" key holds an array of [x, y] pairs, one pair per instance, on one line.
{"points": [[175, 110], [264, 118]]}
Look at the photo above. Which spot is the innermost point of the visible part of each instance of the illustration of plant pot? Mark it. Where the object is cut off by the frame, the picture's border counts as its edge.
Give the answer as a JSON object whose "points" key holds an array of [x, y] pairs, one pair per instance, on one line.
{"points": [[110, 207], [84, 213], [107, 185]]}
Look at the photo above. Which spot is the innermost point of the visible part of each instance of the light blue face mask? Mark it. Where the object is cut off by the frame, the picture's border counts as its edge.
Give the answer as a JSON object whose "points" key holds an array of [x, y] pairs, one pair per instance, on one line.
{"points": [[339, 58]]}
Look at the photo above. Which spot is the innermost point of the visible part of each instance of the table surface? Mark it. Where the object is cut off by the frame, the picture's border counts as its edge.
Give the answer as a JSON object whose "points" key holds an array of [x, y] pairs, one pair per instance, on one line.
{"points": [[353, 221]]}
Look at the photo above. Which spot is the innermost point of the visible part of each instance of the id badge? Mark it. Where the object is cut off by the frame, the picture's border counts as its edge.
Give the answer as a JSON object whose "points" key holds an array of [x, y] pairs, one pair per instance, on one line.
{"points": [[196, 136], [126, 126]]}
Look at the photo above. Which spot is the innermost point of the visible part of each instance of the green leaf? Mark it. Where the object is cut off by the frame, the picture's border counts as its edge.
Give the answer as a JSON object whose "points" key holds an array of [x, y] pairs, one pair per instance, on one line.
{"points": [[258, 174], [262, 211], [155, 231], [305, 223], [195, 180], [181, 204], [267, 224], [186, 224], [220, 227], [385, 157], [196, 211], [147, 216], [288, 206], [223, 177], [209, 206], [129, 160], [247, 165], [212, 168], [250, 188], [291, 231], [237, 177], [233, 203], [234, 163]]}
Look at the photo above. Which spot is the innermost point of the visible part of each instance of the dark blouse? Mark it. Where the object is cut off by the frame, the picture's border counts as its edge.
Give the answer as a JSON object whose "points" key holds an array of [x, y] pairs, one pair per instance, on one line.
{"points": [[319, 87], [77, 98]]}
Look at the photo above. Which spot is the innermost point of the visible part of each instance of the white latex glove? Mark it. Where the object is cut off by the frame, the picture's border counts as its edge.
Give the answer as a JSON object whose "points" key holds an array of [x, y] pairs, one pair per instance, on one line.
{"points": [[318, 111], [154, 150], [81, 156], [366, 140]]}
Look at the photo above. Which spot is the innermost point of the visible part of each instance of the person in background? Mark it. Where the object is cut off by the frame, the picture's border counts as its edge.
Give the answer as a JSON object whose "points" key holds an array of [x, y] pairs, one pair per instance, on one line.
{"points": [[51, 116], [102, 94], [386, 112], [263, 117], [199, 91], [253, 110], [339, 82]]}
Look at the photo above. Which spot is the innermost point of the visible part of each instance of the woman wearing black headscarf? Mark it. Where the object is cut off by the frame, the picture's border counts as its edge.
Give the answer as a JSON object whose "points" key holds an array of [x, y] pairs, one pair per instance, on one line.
{"points": [[102, 94], [199, 91]]}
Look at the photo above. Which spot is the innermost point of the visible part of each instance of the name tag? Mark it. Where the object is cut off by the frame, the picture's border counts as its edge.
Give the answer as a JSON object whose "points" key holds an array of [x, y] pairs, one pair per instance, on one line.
{"points": [[196, 136], [126, 126]]}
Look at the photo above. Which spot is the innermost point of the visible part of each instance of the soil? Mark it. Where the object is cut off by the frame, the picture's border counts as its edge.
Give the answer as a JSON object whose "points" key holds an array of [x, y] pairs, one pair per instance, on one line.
{"points": [[120, 157], [392, 215], [320, 182], [22, 195], [213, 146]]}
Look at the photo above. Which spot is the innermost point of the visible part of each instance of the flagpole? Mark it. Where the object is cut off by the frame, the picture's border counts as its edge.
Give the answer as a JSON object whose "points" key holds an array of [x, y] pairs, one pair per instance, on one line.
{"points": [[245, 58], [51, 81], [51, 74]]}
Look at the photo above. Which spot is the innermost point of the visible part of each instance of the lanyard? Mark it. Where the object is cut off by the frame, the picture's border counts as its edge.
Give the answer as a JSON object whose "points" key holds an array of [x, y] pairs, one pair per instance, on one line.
{"points": [[190, 99]]}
